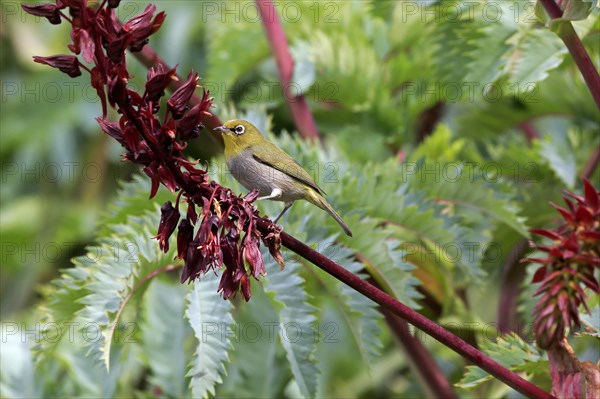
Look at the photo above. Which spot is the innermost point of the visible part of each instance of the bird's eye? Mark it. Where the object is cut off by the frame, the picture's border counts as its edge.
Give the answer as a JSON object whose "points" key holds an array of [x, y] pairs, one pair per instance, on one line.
{"points": [[239, 129]]}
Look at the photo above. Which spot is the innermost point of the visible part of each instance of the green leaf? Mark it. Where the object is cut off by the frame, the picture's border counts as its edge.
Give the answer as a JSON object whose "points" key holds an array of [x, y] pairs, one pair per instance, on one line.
{"points": [[258, 367], [489, 50], [367, 328], [454, 40], [463, 189], [164, 330], [18, 378], [111, 270], [535, 52], [304, 69], [359, 312], [511, 352], [557, 152], [211, 319], [296, 319]]}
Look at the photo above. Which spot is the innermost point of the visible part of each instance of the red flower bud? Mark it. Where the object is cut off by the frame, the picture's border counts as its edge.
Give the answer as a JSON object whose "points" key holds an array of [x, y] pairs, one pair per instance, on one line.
{"points": [[178, 101], [185, 234], [112, 129], [169, 217], [65, 63], [48, 11], [157, 81]]}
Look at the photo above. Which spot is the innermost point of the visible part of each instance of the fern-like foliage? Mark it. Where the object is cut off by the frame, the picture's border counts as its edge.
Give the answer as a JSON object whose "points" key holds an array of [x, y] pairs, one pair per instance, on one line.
{"points": [[296, 323], [210, 318], [511, 352]]}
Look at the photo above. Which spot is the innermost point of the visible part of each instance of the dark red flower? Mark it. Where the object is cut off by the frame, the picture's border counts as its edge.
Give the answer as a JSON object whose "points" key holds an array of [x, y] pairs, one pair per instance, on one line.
{"points": [[253, 256], [116, 47], [189, 126], [219, 230], [82, 44], [157, 81], [49, 11], [169, 216], [178, 101], [112, 129], [65, 63], [117, 85], [142, 26], [185, 234]]}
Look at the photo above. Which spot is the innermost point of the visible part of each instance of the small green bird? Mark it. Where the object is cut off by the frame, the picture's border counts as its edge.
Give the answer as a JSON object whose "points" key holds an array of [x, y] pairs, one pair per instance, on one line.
{"points": [[257, 163]]}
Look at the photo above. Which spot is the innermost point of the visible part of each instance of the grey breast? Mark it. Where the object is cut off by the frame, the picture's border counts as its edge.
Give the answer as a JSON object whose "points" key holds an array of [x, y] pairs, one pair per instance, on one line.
{"points": [[256, 175]]}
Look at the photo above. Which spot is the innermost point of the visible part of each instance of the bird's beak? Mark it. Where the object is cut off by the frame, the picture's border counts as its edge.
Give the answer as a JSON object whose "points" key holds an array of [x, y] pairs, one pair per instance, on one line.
{"points": [[221, 129]]}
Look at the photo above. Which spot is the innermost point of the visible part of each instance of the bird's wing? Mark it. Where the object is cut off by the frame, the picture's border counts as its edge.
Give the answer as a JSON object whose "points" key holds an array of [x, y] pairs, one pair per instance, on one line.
{"points": [[278, 159]]}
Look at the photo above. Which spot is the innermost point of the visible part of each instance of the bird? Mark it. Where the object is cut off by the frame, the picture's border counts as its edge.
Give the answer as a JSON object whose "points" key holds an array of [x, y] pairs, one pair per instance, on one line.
{"points": [[257, 163]]}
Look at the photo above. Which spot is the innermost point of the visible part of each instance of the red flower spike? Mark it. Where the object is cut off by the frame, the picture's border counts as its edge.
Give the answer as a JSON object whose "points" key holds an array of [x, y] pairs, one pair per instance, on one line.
{"points": [[65, 63], [49, 11], [157, 144], [570, 265]]}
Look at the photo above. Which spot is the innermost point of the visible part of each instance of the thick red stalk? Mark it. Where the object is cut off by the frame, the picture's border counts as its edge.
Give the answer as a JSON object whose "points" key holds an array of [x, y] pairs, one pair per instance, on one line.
{"points": [[433, 381], [285, 64]]}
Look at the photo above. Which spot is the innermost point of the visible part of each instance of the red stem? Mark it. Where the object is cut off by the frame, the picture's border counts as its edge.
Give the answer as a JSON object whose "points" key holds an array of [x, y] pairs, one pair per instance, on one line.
{"points": [[285, 64], [416, 319], [529, 130], [510, 286], [577, 50], [433, 380]]}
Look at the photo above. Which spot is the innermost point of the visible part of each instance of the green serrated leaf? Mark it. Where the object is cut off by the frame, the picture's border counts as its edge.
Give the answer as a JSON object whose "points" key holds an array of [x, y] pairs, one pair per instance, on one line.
{"points": [[464, 190], [164, 330], [304, 69], [557, 152], [296, 320], [535, 52], [511, 352], [211, 319]]}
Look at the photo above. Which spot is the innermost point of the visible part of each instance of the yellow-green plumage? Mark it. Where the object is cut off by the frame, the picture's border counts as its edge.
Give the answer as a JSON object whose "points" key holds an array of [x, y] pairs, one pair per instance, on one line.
{"points": [[259, 164]]}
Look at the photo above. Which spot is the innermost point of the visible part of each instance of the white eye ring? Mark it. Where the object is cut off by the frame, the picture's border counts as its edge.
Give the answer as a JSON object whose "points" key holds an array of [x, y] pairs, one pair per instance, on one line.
{"points": [[239, 129]]}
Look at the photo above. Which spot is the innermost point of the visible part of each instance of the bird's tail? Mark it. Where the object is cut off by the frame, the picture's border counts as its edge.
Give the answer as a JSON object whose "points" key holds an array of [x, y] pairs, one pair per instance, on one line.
{"points": [[322, 203]]}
